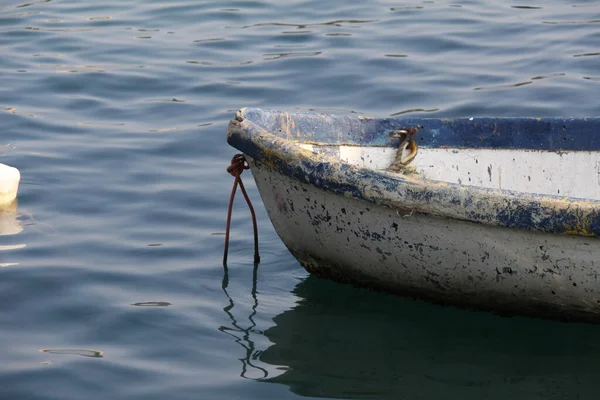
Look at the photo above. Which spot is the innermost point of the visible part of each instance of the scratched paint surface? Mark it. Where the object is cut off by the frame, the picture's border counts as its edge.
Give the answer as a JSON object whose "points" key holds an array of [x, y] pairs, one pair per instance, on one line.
{"points": [[561, 173], [548, 133], [523, 210], [452, 262]]}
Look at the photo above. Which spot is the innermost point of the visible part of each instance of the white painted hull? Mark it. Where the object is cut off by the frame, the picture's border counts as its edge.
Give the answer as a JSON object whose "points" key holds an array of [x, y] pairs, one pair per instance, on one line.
{"points": [[455, 262], [567, 173]]}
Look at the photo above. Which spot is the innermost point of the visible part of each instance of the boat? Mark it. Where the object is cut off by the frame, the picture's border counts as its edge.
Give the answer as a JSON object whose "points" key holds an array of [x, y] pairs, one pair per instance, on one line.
{"points": [[495, 214]]}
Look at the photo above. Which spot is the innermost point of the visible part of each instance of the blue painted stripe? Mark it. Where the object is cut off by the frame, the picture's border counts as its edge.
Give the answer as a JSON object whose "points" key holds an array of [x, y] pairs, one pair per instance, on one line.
{"points": [[551, 134], [549, 214]]}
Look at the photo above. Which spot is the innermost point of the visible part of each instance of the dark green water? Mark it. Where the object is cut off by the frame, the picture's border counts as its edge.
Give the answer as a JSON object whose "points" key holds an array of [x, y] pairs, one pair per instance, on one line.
{"points": [[115, 113]]}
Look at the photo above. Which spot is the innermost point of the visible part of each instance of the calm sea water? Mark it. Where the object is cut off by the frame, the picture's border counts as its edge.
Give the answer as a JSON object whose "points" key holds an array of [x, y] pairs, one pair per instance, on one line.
{"points": [[111, 283]]}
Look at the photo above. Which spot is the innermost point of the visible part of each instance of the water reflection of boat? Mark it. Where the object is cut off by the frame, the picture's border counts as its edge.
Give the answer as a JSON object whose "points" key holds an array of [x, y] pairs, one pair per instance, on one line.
{"points": [[339, 342], [9, 224]]}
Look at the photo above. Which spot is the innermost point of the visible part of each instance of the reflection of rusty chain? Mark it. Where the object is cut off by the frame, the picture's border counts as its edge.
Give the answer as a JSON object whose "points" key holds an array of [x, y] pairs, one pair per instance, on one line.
{"points": [[407, 150]]}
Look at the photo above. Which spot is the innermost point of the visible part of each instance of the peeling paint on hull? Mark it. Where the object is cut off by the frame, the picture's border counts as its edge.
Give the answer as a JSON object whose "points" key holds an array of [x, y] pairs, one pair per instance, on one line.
{"points": [[451, 262], [489, 249]]}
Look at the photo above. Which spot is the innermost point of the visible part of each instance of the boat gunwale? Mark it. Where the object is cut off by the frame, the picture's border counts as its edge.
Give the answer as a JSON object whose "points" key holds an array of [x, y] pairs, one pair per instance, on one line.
{"points": [[407, 194]]}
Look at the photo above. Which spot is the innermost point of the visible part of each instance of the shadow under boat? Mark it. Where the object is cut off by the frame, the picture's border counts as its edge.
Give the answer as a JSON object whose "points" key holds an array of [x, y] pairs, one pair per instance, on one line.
{"points": [[344, 342]]}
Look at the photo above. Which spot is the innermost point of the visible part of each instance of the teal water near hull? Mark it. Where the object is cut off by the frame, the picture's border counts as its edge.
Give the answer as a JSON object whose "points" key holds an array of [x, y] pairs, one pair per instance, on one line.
{"points": [[115, 112]]}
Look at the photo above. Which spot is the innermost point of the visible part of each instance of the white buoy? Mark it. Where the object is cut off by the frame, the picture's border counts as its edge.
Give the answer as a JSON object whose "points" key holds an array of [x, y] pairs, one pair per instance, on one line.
{"points": [[9, 184]]}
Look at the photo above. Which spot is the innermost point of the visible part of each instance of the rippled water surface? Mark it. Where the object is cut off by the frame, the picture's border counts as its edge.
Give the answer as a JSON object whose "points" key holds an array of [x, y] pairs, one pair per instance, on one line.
{"points": [[111, 283]]}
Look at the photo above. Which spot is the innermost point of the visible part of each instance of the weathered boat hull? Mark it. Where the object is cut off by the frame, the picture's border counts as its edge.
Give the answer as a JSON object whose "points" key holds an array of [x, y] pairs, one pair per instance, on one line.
{"points": [[488, 248], [506, 270]]}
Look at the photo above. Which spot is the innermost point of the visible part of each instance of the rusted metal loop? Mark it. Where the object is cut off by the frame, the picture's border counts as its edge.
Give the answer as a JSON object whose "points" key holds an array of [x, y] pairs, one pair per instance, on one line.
{"points": [[411, 145], [407, 150], [238, 165], [404, 132]]}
